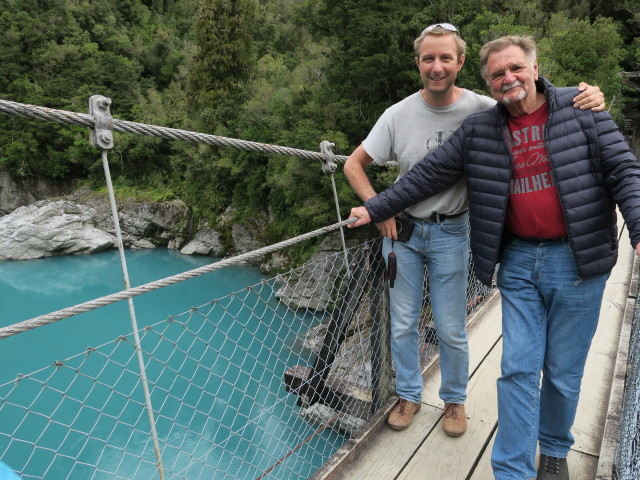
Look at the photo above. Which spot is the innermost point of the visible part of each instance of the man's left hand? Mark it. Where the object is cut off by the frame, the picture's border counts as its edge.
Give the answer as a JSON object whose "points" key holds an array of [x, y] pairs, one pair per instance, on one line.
{"points": [[590, 98], [638, 249]]}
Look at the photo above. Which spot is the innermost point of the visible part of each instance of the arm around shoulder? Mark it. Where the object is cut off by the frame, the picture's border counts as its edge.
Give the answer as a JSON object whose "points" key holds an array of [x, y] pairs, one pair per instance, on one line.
{"points": [[591, 97]]}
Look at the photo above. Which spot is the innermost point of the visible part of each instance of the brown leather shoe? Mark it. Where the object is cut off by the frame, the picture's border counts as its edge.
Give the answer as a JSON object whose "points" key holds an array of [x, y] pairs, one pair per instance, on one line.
{"points": [[402, 414], [455, 419]]}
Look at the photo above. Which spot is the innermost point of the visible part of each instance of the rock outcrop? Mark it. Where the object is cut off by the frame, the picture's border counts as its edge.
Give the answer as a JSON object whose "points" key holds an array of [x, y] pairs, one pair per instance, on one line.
{"points": [[18, 193], [311, 286], [82, 223], [206, 242]]}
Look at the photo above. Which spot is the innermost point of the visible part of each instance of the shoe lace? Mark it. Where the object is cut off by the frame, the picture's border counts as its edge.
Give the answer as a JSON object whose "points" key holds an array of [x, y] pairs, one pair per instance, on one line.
{"points": [[402, 404], [452, 411], [552, 465]]}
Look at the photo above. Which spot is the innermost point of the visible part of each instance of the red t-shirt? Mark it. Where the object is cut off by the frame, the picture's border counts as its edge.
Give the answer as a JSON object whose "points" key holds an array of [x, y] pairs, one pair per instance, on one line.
{"points": [[534, 207]]}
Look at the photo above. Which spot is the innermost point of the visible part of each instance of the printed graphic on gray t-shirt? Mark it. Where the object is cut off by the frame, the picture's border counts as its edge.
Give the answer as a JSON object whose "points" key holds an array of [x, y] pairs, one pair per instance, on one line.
{"points": [[409, 130]]}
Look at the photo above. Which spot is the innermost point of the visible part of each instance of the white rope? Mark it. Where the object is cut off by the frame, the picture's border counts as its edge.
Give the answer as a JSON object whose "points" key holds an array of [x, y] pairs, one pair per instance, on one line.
{"points": [[132, 315], [53, 317], [83, 119], [344, 244]]}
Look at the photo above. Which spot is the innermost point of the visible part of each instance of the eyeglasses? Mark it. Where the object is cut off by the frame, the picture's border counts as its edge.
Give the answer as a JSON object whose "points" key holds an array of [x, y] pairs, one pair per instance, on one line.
{"points": [[446, 26]]}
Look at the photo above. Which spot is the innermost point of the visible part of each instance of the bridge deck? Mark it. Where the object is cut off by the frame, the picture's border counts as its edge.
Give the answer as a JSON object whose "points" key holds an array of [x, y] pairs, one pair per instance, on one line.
{"points": [[424, 451]]}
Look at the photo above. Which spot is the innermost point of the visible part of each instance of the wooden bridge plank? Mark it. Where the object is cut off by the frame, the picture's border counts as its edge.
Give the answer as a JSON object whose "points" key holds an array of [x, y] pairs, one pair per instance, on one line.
{"points": [[483, 469], [385, 457], [614, 412], [453, 458], [588, 428]]}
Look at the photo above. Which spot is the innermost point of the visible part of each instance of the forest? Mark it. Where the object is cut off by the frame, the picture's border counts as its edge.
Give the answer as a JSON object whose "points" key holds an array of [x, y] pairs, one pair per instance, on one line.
{"points": [[283, 72]]}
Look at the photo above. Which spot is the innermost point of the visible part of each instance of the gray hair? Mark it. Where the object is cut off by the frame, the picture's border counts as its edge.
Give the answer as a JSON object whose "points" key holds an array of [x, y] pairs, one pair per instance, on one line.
{"points": [[525, 42]]}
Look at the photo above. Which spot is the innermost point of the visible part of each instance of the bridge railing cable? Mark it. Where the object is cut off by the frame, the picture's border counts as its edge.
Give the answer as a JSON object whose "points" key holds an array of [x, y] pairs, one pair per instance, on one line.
{"points": [[82, 119]]}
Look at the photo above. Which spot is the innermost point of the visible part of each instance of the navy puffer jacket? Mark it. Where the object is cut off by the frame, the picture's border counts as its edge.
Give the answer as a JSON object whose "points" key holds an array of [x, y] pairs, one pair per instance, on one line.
{"points": [[592, 164]]}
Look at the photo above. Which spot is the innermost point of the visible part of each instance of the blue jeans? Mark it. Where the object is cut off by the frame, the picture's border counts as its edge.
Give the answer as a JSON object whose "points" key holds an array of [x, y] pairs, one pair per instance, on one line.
{"points": [[443, 248], [549, 318]]}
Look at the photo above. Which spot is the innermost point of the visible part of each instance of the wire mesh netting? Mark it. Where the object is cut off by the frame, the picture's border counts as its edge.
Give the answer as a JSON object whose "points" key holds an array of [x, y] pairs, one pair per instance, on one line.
{"points": [[627, 458], [267, 382]]}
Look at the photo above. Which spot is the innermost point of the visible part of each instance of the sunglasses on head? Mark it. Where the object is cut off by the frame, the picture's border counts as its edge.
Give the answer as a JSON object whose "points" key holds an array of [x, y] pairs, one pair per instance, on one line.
{"points": [[446, 26]]}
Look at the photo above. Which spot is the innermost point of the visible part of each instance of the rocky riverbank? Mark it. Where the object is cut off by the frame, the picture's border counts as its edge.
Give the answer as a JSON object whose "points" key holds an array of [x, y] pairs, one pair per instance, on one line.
{"points": [[81, 223]]}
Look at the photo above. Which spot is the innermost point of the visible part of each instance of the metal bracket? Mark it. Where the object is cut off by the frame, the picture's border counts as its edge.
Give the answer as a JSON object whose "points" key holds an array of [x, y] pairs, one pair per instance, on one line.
{"points": [[101, 135], [330, 165]]}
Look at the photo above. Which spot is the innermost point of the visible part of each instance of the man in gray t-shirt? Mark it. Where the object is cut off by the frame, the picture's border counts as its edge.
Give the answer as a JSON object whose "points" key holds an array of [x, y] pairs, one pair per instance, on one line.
{"points": [[406, 132], [409, 130]]}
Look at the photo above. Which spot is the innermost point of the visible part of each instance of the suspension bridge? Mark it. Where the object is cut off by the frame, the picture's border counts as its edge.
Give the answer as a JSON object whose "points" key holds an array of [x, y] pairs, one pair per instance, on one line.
{"points": [[260, 385]]}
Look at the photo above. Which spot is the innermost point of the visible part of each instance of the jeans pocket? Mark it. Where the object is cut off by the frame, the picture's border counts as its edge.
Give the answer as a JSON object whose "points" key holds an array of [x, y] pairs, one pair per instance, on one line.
{"points": [[455, 228]]}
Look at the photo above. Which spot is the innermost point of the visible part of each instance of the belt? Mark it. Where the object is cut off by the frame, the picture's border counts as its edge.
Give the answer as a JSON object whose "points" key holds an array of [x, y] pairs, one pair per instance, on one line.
{"points": [[542, 240], [441, 217]]}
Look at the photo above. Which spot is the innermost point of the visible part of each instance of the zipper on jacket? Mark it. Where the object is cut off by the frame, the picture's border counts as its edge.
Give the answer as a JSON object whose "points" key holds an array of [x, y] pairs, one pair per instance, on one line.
{"points": [[509, 144], [555, 179]]}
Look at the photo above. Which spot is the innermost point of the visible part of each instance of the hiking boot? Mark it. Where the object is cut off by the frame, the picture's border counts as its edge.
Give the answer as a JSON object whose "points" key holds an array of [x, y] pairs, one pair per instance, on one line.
{"points": [[402, 414], [552, 468], [455, 419]]}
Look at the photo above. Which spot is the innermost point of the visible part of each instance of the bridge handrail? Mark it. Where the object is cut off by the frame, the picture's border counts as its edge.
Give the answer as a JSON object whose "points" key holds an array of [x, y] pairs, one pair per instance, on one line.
{"points": [[82, 119]]}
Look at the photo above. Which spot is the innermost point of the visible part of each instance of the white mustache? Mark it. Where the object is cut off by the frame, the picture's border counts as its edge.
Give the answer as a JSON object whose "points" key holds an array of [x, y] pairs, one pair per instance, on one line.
{"points": [[515, 83]]}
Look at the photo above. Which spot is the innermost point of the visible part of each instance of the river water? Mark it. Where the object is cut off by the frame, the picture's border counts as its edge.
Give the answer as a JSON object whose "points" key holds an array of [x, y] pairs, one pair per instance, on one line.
{"points": [[234, 449]]}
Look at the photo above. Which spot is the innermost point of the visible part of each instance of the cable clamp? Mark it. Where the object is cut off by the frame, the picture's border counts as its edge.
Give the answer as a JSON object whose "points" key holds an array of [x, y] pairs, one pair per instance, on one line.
{"points": [[101, 135], [326, 148]]}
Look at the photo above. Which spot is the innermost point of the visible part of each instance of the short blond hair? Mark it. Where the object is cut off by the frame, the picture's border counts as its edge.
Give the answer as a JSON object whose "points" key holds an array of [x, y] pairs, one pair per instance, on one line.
{"points": [[461, 45]]}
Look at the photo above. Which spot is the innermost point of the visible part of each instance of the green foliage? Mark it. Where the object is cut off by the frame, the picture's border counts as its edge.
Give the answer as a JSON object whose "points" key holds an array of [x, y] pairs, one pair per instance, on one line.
{"points": [[223, 60], [580, 50], [58, 54], [283, 72], [372, 63], [126, 191]]}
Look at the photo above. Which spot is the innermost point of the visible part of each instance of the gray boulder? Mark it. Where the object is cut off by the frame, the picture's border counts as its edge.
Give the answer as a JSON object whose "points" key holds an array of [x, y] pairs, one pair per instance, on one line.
{"points": [[312, 285], [45, 229], [206, 242], [82, 223]]}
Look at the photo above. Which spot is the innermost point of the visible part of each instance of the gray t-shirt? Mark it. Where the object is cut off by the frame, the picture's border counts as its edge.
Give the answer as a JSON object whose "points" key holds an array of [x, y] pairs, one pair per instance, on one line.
{"points": [[409, 130]]}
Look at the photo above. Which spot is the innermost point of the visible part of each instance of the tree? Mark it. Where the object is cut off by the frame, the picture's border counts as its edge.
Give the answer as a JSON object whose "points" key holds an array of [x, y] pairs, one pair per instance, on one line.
{"points": [[572, 51], [223, 61]]}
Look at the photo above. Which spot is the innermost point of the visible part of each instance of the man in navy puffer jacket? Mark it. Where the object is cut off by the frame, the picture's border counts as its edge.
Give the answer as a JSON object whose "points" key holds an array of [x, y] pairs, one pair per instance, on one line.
{"points": [[543, 180]]}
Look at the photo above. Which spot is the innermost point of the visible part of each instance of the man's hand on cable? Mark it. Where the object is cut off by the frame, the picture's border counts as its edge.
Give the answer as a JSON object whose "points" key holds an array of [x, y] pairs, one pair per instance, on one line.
{"points": [[591, 97], [363, 217]]}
